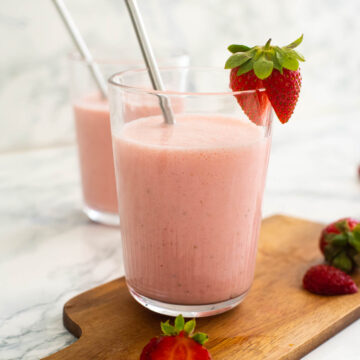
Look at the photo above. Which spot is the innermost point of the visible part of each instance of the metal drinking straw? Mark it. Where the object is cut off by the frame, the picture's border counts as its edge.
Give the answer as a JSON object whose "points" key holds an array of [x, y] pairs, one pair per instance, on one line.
{"points": [[81, 46], [149, 59]]}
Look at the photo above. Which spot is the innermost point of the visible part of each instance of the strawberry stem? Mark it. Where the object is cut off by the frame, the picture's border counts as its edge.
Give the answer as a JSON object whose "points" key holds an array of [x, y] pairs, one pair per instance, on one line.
{"points": [[267, 45]]}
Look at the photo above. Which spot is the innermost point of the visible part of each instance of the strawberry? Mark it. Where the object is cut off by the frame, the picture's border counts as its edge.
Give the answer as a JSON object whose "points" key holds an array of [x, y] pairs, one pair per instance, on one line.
{"points": [[340, 243], [254, 105], [271, 67], [328, 280], [283, 90], [177, 343]]}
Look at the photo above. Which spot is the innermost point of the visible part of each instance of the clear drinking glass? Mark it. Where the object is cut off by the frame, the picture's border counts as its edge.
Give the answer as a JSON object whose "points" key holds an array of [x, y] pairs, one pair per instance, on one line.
{"points": [[191, 193], [92, 122]]}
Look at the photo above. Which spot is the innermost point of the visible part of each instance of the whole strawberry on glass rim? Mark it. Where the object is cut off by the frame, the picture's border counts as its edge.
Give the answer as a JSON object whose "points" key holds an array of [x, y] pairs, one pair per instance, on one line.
{"points": [[273, 68], [177, 343]]}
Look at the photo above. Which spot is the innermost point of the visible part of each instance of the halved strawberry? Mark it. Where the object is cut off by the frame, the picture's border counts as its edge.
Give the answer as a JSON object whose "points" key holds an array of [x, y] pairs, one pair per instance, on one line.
{"points": [[271, 67], [328, 280], [255, 105], [177, 343]]}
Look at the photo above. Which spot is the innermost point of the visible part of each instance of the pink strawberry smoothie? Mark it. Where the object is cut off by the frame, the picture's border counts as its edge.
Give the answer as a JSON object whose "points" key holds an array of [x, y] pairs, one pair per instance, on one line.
{"points": [[190, 205], [93, 131]]}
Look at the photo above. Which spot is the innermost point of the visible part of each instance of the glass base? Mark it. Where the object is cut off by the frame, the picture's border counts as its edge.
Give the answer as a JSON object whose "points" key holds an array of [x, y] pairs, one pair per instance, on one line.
{"points": [[188, 311], [102, 217]]}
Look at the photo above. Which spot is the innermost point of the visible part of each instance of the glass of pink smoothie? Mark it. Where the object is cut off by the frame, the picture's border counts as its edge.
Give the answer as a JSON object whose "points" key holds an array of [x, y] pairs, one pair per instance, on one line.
{"points": [[191, 193], [92, 122]]}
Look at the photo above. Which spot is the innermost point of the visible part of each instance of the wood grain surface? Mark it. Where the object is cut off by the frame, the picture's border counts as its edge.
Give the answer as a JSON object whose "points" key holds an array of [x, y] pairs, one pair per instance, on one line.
{"points": [[277, 320]]}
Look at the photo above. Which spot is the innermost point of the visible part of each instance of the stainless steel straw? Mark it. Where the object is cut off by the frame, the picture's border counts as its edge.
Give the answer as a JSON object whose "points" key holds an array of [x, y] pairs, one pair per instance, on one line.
{"points": [[81, 46], [149, 59]]}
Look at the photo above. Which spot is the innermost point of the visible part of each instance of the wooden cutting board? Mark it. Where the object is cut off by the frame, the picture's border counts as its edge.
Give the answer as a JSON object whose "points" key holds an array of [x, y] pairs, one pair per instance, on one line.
{"points": [[277, 320]]}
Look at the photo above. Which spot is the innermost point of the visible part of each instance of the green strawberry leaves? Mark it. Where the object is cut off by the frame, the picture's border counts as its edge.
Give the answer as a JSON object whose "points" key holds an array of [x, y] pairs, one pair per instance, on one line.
{"points": [[343, 249], [238, 48], [286, 59], [200, 338], [237, 60], [179, 323], [342, 225], [179, 326], [354, 240], [168, 329], [190, 326], [343, 262], [263, 67], [295, 54], [339, 240], [264, 59], [295, 43], [246, 67]]}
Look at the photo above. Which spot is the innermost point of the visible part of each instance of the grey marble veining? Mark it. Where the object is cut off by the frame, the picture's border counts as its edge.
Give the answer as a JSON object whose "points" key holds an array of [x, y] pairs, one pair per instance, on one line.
{"points": [[26, 197], [40, 280], [49, 250]]}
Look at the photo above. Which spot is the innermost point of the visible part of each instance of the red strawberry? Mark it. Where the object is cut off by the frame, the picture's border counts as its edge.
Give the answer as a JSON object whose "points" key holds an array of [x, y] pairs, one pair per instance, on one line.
{"points": [[149, 348], [271, 67], [177, 343], [336, 227], [340, 243], [253, 104], [283, 91], [328, 280]]}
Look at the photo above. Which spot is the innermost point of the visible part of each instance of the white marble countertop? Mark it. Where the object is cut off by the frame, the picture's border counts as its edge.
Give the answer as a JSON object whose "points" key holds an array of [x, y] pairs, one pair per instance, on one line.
{"points": [[50, 252]]}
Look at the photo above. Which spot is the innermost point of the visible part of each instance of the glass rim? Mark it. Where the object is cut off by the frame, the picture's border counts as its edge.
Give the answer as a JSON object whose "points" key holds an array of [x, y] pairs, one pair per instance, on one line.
{"points": [[112, 82]]}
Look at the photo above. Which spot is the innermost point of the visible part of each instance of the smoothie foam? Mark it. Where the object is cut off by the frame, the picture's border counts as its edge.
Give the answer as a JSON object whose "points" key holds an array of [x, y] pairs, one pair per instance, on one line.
{"points": [[190, 205]]}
